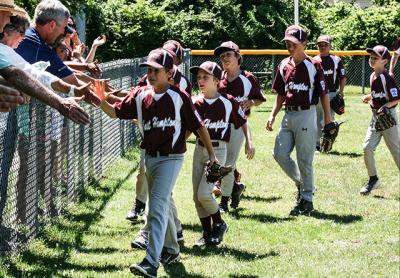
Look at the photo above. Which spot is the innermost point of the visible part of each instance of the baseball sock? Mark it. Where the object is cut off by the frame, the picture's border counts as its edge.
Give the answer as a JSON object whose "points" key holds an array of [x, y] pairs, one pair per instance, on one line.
{"points": [[373, 178], [216, 217], [206, 224]]}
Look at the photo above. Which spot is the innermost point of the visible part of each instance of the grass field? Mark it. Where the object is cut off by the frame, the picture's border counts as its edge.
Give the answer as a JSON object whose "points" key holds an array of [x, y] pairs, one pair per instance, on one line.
{"points": [[349, 235]]}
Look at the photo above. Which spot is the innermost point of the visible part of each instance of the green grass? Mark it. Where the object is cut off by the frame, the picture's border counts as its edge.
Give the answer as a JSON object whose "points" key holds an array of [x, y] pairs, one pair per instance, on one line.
{"points": [[349, 235]]}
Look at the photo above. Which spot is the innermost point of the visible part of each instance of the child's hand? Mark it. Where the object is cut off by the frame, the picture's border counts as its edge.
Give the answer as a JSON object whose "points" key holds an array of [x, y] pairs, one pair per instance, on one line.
{"points": [[366, 98]]}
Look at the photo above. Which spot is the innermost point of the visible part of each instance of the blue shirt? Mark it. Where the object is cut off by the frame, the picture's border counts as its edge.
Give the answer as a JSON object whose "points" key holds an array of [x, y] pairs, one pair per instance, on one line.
{"points": [[34, 49]]}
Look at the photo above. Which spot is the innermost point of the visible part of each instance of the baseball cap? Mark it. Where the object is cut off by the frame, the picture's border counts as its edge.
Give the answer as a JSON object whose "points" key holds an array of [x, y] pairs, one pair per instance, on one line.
{"points": [[209, 67], [295, 34], [226, 46], [159, 58], [380, 51], [174, 48], [324, 38]]}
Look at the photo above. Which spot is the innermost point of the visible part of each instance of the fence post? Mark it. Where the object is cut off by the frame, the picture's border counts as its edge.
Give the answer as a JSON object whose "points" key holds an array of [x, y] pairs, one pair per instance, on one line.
{"points": [[273, 67], [363, 75]]}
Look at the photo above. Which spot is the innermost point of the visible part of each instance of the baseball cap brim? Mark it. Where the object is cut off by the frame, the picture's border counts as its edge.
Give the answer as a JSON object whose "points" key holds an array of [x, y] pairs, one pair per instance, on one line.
{"points": [[221, 49], [195, 70], [291, 39], [324, 40], [151, 64], [371, 50]]}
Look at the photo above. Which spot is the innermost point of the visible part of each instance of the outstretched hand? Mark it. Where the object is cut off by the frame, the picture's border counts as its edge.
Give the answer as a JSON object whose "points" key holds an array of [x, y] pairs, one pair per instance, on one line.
{"points": [[91, 96], [70, 108], [100, 40]]}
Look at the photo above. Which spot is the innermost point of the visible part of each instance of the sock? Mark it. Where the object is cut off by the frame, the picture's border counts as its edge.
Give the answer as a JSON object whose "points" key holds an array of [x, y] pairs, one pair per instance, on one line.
{"points": [[216, 217], [206, 224], [373, 178]]}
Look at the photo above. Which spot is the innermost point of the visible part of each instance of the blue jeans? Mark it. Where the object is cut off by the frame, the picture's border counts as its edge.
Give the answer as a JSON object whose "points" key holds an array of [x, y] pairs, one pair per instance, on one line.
{"points": [[161, 173]]}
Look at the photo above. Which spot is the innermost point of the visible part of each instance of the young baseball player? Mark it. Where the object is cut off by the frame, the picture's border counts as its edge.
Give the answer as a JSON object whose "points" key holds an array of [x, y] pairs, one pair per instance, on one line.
{"points": [[299, 82], [164, 115], [384, 94], [218, 111], [244, 87], [335, 78], [395, 57]]}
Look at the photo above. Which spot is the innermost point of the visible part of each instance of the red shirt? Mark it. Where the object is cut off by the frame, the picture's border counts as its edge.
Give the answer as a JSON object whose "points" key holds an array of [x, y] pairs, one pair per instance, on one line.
{"points": [[244, 87], [217, 115], [162, 118], [180, 81], [333, 70], [383, 90], [301, 84]]}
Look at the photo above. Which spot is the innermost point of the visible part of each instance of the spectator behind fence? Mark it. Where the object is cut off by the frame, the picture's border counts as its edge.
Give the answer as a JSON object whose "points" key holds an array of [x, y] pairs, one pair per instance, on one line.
{"points": [[50, 22], [9, 97]]}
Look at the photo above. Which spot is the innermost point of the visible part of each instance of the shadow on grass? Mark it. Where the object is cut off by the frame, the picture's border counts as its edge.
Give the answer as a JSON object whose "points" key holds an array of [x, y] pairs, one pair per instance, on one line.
{"points": [[261, 217], [192, 227], [340, 219], [65, 235], [242, 276], [349, 154], [263, 110], [261, 199], [239, 254], [178, 270]]}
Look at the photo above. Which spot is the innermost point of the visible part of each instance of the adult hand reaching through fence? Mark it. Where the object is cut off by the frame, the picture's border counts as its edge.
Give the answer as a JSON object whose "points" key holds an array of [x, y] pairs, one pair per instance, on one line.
{"points": [[69, 107], [9, 98], [91, 96]]}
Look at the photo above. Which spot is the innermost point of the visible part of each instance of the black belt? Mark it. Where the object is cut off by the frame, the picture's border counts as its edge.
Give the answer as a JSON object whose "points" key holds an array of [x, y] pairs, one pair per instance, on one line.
{"points": [[213, 143], [156, 154], [297, 108]]}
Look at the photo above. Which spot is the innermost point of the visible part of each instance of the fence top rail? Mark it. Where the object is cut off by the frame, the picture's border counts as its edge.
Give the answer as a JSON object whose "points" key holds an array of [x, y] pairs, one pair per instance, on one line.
{"points": [[283, 52]]}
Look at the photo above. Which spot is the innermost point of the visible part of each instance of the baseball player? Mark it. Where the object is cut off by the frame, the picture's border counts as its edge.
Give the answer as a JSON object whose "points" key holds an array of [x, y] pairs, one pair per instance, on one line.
{"points": [[164, 115], [298, 83], [244, 87], [384, 93], [395, 57], [218, 111], [335, 78]]}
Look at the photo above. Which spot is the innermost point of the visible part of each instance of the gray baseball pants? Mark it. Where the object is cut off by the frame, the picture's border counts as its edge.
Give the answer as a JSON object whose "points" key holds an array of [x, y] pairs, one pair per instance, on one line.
{"points": [[373, 138], [161, 172], [298, 130]]}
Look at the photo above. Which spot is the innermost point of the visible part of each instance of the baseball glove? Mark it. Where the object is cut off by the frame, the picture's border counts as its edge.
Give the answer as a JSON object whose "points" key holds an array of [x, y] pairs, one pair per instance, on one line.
{"points": [[385, 120], [329, 134], [337, 104], [215, 172]]}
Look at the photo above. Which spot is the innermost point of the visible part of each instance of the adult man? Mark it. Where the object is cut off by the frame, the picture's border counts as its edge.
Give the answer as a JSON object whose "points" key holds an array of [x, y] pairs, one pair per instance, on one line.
{"points": [[299, 82], [335, 77], [50, 21]]}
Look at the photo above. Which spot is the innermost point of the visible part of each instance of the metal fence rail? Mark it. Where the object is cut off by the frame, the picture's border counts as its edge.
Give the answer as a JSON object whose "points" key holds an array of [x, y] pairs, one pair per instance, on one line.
{"points": [[45, 160]]}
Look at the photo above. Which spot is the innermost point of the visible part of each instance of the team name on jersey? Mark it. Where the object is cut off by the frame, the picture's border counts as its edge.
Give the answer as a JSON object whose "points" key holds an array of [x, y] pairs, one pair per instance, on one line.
{"points": [[378, 95], [328, 72], [156, 123], [215, 125], [296, 87]]}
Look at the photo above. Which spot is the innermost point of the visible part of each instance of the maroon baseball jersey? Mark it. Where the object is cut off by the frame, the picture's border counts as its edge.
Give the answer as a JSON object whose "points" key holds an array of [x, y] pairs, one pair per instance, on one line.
{"points": [[301, 85], [217, 115], [179, 80], [162, 118], [244, 87], [333, 71], [383, 89]]}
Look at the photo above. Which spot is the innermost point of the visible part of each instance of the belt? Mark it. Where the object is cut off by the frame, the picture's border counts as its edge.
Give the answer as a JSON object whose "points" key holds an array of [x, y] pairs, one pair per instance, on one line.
{"points": [[297, 108], [213, 143], [156, 154]]}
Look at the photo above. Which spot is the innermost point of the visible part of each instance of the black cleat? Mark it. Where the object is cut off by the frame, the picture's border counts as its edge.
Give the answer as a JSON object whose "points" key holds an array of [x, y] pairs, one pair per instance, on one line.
{"points": [[303, 207], [371, 185], [204, 240], [144, 269], [218, 232], [168, 258], [134, 214], [141, 241], [179, 235], [223, 208]]}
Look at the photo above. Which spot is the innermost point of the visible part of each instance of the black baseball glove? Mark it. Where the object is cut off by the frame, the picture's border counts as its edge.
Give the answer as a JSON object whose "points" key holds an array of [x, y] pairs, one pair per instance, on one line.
{"points": [[337, 104], [329, 134], [215, 172], [385, 120]]}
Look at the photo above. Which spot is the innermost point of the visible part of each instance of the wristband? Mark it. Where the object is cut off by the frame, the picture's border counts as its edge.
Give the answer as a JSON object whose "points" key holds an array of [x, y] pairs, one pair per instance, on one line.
{"points": [[72, 90]]}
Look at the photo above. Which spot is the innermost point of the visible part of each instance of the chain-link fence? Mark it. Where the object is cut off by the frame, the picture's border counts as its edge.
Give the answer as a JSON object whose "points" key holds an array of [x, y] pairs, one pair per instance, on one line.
{"points": [[264, 67], [45, 159]]}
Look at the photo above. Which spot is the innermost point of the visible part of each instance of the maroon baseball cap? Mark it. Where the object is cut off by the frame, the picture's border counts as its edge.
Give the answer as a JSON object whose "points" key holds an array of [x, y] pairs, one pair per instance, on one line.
{"points": [[324, 38], [295, 34], [226, 46], [174, 48], [209, 67], [380, 51], [159, 58]]}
